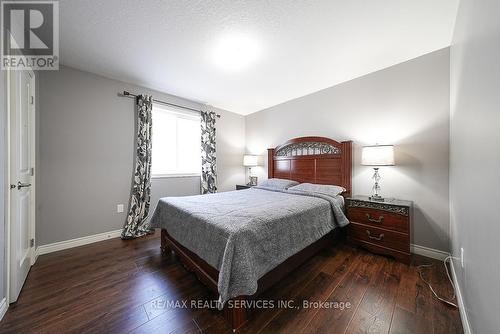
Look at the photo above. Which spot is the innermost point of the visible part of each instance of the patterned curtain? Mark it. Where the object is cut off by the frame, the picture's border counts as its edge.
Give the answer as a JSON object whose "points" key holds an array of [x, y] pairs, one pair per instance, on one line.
{"points": [[208, 156], [136, 226]]}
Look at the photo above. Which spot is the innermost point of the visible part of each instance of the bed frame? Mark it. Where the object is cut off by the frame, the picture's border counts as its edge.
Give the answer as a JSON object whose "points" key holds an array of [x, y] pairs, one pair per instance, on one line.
{"points": [[305, 159]]}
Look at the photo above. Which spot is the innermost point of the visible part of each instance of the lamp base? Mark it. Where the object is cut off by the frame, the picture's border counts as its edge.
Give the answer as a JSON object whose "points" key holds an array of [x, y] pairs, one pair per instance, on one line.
{"points": [[376, 187], [377, 198]]}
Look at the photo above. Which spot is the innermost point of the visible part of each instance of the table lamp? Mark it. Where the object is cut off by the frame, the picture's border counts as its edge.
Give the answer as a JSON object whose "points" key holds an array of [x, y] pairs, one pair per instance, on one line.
{"points": [[377, 156], [251, 161]]}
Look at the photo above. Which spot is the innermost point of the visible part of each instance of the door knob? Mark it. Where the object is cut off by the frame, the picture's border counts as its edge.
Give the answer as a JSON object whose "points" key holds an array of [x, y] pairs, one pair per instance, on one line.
{"points": [[22, 185]]}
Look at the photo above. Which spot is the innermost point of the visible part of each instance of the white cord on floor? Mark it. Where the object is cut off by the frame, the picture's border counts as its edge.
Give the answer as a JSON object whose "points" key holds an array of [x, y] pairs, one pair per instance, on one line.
{"points": [[430, 286]]}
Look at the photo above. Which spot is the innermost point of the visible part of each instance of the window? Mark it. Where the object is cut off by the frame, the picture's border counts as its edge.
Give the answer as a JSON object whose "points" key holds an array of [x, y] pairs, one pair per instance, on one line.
{"points": [[176, 147]]}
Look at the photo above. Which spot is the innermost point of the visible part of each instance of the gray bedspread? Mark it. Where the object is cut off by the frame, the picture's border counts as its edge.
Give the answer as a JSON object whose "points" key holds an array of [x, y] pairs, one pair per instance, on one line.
{"points": [[244, 234]]}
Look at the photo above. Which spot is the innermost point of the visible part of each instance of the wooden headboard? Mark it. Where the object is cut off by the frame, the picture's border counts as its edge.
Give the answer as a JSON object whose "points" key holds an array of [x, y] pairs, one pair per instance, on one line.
{"points": [[314, 160]]}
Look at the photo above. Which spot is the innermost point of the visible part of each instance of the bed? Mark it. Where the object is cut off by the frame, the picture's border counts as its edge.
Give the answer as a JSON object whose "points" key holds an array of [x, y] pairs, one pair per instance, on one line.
{"points": [[241, 243]]}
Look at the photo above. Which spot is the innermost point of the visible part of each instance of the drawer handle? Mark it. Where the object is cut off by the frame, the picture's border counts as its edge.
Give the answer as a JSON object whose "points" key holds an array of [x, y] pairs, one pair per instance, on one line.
{"points": [[373, 220], [380, 237]]}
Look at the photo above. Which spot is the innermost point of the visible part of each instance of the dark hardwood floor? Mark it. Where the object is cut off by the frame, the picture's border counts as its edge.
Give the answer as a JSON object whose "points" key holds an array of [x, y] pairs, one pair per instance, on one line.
{"points": [[120, 286]]}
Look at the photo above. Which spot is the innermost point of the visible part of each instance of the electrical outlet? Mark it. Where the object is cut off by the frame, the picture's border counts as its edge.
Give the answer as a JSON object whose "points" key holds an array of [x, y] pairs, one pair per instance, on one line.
{"points": [[119, 208], [462, 262]]}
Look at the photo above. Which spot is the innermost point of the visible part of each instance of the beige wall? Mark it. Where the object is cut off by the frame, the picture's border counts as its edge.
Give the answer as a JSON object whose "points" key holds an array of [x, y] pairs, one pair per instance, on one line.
{"points": [[475, 160], [86, 154], [406, 105], [230, 150]]}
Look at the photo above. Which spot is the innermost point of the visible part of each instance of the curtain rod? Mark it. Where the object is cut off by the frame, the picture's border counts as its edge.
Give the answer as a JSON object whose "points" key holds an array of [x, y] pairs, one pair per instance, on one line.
{"points": [[132, 96]]}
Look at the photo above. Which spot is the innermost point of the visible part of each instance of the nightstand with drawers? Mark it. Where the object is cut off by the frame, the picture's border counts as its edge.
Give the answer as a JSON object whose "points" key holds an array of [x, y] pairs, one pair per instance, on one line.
{"points": [[381, 227]]}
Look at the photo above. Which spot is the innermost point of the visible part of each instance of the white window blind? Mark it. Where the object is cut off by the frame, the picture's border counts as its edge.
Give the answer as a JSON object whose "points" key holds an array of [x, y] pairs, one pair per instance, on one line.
{"points": [[176, 147]]}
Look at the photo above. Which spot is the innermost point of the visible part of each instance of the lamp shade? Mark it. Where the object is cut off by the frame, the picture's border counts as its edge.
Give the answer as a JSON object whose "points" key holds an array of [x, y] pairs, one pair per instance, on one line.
{"points": [[378, 155], [250, 160]]}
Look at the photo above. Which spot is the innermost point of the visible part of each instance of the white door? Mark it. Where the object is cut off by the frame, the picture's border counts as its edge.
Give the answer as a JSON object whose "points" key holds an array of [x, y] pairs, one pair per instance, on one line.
{"points": [[21, 175]]}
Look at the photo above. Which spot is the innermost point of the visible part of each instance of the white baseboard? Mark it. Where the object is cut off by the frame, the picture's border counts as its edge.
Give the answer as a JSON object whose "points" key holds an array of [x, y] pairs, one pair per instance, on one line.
{"points": [[461, 305], [3, 307], [428, 252], [57, 246]]}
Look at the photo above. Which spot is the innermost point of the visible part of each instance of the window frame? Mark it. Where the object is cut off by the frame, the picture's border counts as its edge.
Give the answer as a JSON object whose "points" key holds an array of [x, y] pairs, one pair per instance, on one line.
{"points": [[179, 114]]}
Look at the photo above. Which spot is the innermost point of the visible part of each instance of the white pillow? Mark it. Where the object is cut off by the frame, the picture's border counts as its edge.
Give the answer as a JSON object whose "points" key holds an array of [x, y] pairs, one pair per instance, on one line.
{"points": [[277, 184], [325, 189]]}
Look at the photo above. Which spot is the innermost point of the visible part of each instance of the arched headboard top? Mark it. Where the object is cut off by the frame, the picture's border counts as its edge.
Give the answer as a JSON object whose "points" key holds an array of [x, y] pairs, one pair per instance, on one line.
{"points": [[317, 160], [309, 146]]}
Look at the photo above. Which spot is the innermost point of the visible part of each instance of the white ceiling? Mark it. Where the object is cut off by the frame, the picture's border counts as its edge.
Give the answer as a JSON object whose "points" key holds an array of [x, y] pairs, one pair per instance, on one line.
{"points": [[300, 46]]}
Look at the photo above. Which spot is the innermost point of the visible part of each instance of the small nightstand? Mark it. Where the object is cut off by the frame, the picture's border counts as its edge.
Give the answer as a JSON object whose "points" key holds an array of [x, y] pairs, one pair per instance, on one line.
{"points": [[381, 227], [242, 186]]}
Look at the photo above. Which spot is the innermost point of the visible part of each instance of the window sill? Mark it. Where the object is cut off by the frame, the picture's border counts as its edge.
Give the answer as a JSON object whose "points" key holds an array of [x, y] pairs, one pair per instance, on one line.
{"points": [[168, 176]]}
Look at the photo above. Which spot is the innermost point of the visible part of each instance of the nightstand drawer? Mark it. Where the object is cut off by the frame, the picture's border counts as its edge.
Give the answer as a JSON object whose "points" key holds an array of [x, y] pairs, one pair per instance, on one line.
{"points": [[380, 237], [379, 218]]}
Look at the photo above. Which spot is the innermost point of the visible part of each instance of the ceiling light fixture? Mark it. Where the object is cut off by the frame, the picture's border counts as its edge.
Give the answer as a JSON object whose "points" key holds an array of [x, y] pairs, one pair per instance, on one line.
{"points": [[235, 51]]}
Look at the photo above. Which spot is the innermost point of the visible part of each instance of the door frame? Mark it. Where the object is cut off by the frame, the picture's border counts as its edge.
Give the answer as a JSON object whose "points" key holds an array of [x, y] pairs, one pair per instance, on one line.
{"points": [[9, 181]]}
